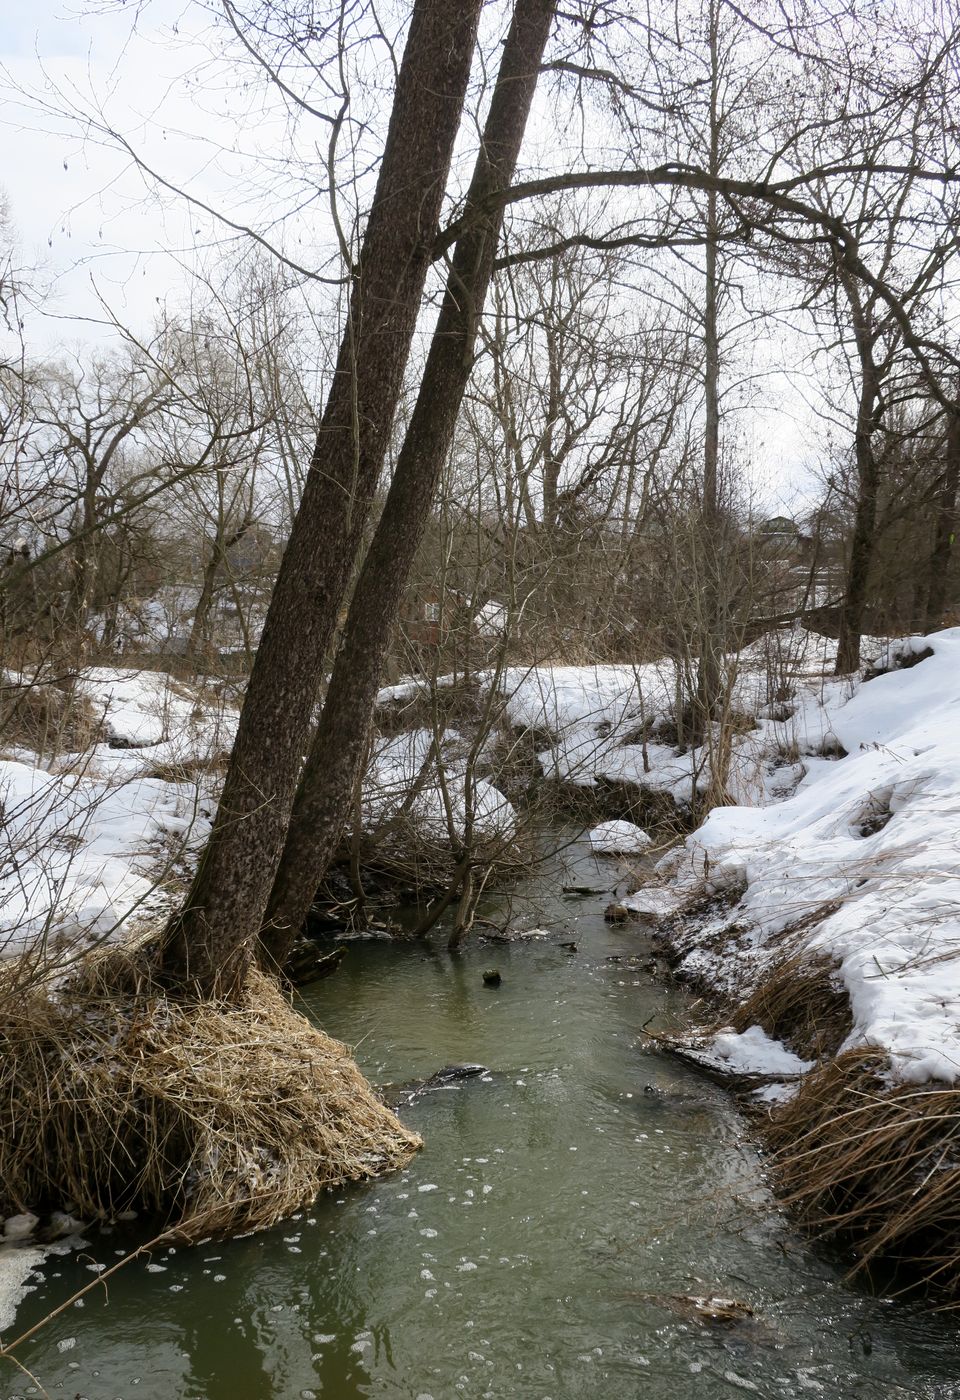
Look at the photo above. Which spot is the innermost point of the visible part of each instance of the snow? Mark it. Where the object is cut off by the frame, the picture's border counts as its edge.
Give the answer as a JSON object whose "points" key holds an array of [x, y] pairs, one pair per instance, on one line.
{"points": [[87, 839], [862, 850], [612, 724], [753, 1052], [399, 762], [17, 1263], [618, 838], [593, 718], [492, 620], [78, 853], [864, 856], [147, 718]]}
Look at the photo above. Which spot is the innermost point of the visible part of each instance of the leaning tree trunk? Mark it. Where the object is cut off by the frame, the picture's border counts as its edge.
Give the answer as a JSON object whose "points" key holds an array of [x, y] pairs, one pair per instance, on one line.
{"points": [[208, 945], [324, 795], [863, 544], [854, 602], [942, 551]]}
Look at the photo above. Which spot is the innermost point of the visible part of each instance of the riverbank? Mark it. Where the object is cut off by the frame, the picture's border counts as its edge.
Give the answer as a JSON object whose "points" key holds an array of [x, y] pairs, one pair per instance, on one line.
{"points": [[551, 1238], [818, 914], [825, 927]]}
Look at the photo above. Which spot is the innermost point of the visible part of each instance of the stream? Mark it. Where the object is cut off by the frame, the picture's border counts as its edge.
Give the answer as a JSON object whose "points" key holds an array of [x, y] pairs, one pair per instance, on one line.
{"points": [[541, 1244]]}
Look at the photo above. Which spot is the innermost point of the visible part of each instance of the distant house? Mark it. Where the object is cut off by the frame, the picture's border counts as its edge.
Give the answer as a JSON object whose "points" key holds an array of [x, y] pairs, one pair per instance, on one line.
{"points": [[785, 538], [429, 614], [425, 616]]}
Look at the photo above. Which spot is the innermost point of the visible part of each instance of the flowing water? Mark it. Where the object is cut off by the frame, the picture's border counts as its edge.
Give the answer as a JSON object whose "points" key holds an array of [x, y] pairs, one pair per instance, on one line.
{"points": [[540, 1245]]}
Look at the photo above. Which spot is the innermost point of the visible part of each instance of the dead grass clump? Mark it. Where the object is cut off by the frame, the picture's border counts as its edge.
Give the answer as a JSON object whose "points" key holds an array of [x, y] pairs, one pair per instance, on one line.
{"points": [[45, 717], [875, 1166], [802, 1002], [219, 1118], [189, 770]]}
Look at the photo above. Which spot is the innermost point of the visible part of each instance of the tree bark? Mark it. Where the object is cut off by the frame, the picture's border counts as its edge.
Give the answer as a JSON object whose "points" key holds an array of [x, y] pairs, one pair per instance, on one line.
{"points": [[208, 945], [323, 797], [942, 551], [862, 545], [712, 642]]}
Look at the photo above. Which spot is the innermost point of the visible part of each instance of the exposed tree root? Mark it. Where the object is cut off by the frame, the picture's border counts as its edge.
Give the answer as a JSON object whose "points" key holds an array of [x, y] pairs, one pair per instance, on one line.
{"points": [[220, 1118]]}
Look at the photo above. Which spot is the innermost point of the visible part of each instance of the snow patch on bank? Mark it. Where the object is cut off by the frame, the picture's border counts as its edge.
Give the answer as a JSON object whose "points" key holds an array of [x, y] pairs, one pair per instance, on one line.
{"points": [[412, 763], [87, 840], [618, 838], [866, 851]]}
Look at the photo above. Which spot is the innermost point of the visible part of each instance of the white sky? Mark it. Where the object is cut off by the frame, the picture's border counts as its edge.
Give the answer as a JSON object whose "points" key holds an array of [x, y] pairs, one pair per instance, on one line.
{"points": [[85, 218]]}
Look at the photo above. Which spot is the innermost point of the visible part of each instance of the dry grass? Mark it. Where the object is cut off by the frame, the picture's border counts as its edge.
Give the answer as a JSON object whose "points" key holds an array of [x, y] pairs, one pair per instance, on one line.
{"points": [[219, 1118], [189, 770], [802, 1002], [46, 717], [875, 1166]]}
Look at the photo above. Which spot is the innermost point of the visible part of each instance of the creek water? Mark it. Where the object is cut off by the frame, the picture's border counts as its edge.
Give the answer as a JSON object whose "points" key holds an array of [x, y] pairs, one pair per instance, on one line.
{"points": [[541, 1243]]}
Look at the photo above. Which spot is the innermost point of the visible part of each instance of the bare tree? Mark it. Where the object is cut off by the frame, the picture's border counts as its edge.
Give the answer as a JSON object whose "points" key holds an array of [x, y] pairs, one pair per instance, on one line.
{"points": [[333, 764], [209, 944]]}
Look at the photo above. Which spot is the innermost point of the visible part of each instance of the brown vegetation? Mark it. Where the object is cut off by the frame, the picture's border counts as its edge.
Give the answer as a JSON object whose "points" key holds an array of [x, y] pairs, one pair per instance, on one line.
{"points": [[218, 1118], [801, 1002], [875, 1165]]}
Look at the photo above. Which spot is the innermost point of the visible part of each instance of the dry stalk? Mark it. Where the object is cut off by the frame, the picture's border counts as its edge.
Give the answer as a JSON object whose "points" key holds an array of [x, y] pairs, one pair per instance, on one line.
{"points": [[219, 1118], [875, 1166]]}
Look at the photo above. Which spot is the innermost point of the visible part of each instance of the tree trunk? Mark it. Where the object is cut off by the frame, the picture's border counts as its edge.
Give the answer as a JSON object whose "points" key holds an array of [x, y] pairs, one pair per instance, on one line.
{"points": [[323, 797], [712, 642], [207, 947], [863, 543], [940, 556], [854, 599], [199, 639]]}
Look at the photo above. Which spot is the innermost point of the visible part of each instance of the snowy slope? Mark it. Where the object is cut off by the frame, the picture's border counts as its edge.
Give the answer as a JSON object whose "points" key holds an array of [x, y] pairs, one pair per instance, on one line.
{"points": [[87, 840], [869, 845]]}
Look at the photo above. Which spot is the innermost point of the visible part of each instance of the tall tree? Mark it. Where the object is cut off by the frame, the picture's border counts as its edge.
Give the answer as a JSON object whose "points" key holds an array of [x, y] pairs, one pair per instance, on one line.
{"points": [[208, 944], [330, 774]]}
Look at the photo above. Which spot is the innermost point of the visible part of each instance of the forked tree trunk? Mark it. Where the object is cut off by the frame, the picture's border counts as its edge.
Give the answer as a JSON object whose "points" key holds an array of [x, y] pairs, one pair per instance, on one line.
{"points": [[324, 794], [208, 945]]}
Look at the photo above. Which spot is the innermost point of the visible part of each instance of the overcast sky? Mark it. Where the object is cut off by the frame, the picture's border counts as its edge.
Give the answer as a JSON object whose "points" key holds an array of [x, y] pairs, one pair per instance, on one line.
{"points": [[86, 219]]}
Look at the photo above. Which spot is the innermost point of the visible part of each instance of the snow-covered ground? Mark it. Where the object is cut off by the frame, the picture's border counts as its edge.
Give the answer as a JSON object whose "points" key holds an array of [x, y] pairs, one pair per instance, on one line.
{"points": [[89, 839], [409, 760], [613, 723], [97, 841], [848, 818], [862, 851]]}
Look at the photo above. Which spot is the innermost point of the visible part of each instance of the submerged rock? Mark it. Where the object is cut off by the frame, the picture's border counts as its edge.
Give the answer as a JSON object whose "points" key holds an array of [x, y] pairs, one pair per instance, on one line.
{"points": [[450, 1073], [492, 977]]}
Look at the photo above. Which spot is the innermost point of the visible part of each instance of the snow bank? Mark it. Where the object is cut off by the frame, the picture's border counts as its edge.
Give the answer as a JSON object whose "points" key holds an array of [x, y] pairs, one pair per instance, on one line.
{"points": [[593, 718], [409, 760], [753, 1052], [86, 840], [618, 838], [613, 723], [867, 851], [148, 718], [80, 853]]}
